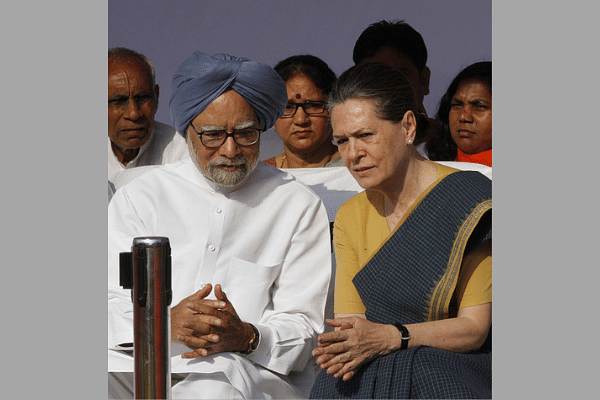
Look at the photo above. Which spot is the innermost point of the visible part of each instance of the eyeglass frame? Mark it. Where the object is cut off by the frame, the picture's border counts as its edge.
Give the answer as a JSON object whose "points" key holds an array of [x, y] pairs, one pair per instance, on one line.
{"points": [[227, 136], [303, 105]]}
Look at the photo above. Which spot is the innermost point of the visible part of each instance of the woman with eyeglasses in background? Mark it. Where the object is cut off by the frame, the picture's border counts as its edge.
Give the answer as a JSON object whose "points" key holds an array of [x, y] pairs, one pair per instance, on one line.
{"points": [[304, 126]]}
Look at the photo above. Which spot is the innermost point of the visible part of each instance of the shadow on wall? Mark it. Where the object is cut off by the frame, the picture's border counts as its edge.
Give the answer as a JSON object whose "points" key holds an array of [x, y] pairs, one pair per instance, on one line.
{"points": [[271, 144]]}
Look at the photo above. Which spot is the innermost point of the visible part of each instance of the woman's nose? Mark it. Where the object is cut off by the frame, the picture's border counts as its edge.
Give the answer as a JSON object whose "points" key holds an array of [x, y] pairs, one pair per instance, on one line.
{"points": [[466, 114], [301, 117], [354, 150]]}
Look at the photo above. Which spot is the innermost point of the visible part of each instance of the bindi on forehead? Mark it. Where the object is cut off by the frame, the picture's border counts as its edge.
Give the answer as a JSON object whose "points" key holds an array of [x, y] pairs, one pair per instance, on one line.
{"points": [[298, 96]]}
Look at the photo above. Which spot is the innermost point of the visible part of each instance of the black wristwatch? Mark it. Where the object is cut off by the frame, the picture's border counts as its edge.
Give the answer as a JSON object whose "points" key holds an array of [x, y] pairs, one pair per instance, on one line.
{"points": [[405, 335], [253, 343]]}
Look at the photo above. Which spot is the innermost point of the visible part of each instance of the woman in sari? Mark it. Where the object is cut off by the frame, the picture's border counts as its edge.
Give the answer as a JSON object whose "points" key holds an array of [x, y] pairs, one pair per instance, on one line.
{"points": [[464, 118], [413, 283], [304, 126]]}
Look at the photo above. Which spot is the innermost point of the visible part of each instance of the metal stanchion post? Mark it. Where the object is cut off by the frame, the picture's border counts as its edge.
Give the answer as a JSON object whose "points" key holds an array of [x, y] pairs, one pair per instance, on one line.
{"points": [[147, 271]]}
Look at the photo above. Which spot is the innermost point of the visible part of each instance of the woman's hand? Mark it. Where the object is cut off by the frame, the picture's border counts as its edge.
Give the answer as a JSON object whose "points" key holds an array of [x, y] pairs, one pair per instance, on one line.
{"points": [[356, 342]]}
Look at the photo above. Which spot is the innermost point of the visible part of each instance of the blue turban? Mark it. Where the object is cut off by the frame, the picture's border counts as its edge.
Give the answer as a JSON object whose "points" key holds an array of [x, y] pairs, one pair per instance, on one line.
{"points": [[201, 79]]}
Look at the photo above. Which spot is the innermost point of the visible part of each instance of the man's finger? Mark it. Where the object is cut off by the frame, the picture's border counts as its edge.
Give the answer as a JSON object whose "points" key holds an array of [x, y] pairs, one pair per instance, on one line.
{"points": [[220, 294], [192, 341], [208, 307], [195, 354], [202, 293], [203, 323]]}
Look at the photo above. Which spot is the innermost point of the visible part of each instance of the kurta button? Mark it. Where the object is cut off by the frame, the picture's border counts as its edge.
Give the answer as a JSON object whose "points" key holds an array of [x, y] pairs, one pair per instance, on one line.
{"points": [[211, 248], [219, 211]]}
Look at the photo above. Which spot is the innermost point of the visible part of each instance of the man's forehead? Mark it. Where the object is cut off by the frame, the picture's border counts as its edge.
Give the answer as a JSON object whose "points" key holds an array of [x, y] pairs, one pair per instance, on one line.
{"points": [[129, 68], [241, 125]]}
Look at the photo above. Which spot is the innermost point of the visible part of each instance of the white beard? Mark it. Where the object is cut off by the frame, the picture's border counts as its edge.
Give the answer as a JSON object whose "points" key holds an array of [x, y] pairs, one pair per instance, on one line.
{"points": [[215, 173]]}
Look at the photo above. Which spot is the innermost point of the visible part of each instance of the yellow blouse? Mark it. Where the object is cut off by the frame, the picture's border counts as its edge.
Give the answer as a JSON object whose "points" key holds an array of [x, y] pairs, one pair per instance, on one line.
{"points": [[359, 230]]}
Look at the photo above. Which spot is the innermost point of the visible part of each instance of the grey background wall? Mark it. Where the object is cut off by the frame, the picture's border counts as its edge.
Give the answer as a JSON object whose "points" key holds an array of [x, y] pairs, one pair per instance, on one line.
{"points": [[457, 33]]}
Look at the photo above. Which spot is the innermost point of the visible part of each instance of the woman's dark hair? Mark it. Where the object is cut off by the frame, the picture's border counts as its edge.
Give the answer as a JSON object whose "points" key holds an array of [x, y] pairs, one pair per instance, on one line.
{"points": [[313, 67], [441, 147], [385, 86]]}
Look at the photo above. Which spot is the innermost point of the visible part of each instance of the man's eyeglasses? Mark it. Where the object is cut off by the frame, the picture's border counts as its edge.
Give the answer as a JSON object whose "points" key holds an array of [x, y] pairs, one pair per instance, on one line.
{"points": [[243, 137], [309, 107]]}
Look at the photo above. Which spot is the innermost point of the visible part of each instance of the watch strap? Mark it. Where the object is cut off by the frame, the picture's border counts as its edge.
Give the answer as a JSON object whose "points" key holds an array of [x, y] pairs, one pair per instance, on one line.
{"points": [[404, 334]]}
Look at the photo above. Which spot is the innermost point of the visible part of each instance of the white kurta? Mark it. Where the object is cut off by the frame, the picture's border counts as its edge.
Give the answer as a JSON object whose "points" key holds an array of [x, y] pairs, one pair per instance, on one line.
{"points": [[164, 146], [267, 243]]}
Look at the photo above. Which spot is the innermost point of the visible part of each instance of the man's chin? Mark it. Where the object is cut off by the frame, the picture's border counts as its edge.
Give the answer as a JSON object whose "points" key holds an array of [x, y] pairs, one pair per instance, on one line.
{"points": [[134, 143], [228, 175]]}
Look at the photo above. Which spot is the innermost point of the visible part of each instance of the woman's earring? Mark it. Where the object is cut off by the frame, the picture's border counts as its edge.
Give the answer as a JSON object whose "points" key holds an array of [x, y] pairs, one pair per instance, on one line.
{"points": [[410, 141]]}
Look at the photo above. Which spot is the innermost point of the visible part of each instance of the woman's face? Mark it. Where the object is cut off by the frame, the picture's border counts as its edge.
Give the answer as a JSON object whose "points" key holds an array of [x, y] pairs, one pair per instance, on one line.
{"points": [[375, 151], [470, 117], [303, 132]]}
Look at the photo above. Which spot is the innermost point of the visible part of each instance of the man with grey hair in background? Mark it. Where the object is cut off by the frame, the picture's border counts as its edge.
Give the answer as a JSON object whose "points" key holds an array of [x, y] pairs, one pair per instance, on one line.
{"points": [[250, 245], [135, 139]]}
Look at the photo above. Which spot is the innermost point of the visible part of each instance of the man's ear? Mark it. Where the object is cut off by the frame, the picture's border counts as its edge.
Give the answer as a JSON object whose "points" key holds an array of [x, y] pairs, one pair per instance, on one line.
{"points": [[425, 75], [156, 91]]}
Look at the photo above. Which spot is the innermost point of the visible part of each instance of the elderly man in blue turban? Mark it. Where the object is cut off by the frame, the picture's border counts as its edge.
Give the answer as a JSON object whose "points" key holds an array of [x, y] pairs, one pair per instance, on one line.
{"points": [[250, 245]]}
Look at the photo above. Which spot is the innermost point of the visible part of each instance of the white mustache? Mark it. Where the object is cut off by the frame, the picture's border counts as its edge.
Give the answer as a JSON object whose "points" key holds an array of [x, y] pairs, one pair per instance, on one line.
{"points": [[228, 162]]}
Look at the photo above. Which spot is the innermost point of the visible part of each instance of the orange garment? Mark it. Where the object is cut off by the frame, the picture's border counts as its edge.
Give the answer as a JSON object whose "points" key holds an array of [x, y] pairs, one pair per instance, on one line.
{"points": [[485, 157], [270, 161]]}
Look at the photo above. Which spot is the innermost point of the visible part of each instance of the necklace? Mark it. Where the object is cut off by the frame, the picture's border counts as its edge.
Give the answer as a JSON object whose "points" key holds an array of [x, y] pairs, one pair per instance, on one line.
{"points": [[286, 164]]}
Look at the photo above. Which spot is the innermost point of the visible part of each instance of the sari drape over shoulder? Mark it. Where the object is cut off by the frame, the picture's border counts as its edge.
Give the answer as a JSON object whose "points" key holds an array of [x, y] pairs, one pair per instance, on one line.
{"points": [[411, 279]]}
